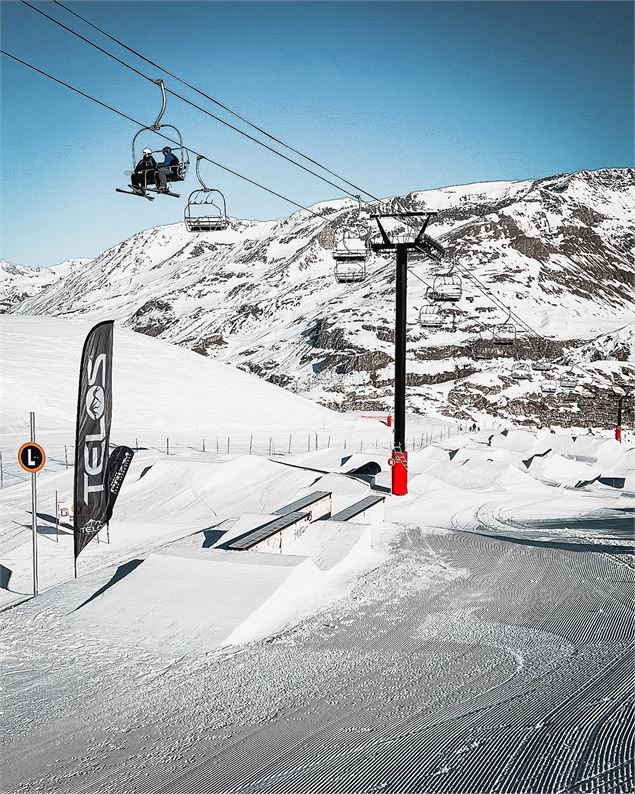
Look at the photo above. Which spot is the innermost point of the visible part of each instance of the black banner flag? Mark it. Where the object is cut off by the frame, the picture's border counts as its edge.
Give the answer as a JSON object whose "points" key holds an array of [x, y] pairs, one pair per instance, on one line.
{"points": [[94, 411], [118, 465]]}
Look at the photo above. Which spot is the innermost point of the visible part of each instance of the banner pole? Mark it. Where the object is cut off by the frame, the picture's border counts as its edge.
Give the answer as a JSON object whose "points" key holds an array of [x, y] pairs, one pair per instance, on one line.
{"points": [[34, 511]]}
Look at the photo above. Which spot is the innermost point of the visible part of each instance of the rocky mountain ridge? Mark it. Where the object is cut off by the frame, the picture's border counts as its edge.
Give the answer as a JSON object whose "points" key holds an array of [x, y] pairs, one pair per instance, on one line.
{"points": [[261, 295]]}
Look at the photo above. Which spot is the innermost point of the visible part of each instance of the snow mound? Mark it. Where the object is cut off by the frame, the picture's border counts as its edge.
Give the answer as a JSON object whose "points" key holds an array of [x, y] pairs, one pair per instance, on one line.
{"points": [[188, 602]]}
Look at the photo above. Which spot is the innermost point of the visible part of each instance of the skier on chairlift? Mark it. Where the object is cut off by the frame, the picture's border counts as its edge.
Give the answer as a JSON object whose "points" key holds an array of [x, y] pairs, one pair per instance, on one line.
{"points": [[168, 168], [142, 175]]}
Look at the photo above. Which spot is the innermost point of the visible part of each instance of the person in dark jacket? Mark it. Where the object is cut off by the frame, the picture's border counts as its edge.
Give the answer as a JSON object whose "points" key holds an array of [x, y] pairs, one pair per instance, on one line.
{"points": [[169, 168], [145, 172]]}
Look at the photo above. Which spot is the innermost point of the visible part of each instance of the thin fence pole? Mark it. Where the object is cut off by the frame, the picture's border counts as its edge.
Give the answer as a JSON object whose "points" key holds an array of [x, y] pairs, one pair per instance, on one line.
{"points": [[136, 443], [290, 443], [203, 445], [167, 446], [57, 521], [316, 441], [65, 456], [217, 445], [1, 472], [228, 445], [328, 445], [251, 441], [344, 443], [308, 444], [270, 445], [361, 445]]}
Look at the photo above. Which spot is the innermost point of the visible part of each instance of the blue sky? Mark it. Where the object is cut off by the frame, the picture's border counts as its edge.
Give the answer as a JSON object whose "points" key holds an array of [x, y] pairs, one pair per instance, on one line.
{"points": [[394, 96]]}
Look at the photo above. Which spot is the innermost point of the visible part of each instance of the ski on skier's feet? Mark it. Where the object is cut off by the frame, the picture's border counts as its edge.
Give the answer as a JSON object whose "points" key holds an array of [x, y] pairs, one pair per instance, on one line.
{"points": [[135, 193]]}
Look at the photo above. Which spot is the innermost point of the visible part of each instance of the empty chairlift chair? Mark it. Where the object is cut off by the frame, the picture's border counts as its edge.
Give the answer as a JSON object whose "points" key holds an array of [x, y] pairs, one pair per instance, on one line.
{"points": [[542, 365], [350, 247], [549, 386], [206, 210], [521, 371], [350, 255], [350, 272], [505, 333], [430, 317], [568, 381], [350, 252], [482, 348], [446, 288]]}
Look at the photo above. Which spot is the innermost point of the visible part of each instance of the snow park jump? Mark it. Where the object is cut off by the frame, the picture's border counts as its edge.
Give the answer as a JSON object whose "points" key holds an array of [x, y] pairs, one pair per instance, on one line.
{"points": [[316, 475]]}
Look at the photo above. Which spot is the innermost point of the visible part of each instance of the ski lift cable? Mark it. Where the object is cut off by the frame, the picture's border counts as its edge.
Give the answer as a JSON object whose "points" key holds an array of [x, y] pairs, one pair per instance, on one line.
{"points": [[186, 100], [236, 173], [488, 293], [482, 287], [214, 100], [162, 135], [498, 301]]}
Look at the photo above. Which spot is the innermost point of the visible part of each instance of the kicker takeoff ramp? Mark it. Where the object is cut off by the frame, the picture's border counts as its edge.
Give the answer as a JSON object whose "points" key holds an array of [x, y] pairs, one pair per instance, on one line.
{"points": [[187, 601]]}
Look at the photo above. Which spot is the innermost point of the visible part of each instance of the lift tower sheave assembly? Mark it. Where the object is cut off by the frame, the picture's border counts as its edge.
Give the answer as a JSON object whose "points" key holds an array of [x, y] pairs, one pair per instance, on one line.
{"points": [[401, 244]]}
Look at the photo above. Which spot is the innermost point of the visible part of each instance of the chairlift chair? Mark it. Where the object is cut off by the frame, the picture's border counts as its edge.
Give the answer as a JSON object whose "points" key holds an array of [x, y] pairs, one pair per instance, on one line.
{"points": [[568, 381], [521, 370], [349, 271], [429, 317], [206, 210], [549, 386], [178, 172], [446, 287], [505, 333], [482, 348], [542, 366], [350, 245]]}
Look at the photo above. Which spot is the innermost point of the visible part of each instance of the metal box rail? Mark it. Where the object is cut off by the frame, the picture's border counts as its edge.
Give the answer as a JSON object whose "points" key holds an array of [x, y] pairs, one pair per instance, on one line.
{"points": [[257, 535]]}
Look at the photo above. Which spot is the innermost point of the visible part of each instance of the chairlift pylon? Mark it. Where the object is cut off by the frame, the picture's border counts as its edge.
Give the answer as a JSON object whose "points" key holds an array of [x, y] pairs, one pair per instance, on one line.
{"points": [[202, 213], [178, 172]]}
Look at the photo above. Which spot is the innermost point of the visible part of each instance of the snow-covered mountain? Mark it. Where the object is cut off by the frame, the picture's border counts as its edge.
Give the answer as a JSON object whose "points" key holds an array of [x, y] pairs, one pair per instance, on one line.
{"points": [[17, 282], [262, 295]]}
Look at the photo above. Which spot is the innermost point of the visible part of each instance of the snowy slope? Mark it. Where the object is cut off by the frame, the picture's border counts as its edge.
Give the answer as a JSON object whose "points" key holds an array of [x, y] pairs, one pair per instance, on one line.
{"points": [[261, 295], [157, 387]]}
